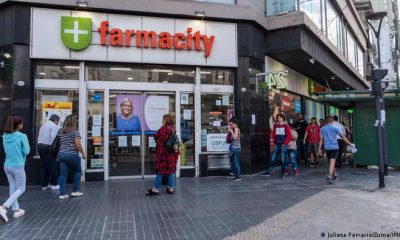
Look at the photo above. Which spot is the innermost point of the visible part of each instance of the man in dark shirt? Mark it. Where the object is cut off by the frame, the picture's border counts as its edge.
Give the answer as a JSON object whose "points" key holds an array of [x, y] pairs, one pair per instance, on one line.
{"points": [[300, 126]]}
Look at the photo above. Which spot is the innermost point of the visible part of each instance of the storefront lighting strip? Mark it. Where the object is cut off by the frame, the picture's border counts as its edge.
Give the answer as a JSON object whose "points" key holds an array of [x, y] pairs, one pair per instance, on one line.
{"points": [[71, 67], [120, 69], [161, 70]]}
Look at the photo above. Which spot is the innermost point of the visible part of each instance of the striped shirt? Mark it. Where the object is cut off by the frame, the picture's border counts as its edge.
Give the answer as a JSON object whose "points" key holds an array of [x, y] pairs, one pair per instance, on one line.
{"points": [[235, 144], [67, 141]]}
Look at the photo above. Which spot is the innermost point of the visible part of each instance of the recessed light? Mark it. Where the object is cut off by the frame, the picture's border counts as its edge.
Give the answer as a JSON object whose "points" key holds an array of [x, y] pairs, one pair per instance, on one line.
{"points": [[312, 60], [130, 78], [170, 73], [42, 73], [220, 76], [7, 55]]}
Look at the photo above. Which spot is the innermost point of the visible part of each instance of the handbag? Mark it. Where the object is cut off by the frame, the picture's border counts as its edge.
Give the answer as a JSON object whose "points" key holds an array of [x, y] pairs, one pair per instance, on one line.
{"points": [[229, 137], [172, 144], [55, 146]]}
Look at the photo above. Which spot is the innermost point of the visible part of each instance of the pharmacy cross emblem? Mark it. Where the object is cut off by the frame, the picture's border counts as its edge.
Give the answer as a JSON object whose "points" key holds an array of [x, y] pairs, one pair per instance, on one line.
{"points": [[76, 32]]}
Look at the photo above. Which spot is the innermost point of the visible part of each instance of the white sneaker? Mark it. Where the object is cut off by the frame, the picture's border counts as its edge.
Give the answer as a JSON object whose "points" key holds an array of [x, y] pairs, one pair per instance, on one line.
{"points": [[44, 188], [3, 214], [55, 187], [19, 213], [63, 196], [76, 194]]}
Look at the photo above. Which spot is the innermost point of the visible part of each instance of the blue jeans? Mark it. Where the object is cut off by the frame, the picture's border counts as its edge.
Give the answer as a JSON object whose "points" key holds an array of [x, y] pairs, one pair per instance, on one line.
{"points": [[69, 161], [293, 158], [17, 181], [283, 150], [48, 167], [301, 151], [234, 157], [157, 183]]}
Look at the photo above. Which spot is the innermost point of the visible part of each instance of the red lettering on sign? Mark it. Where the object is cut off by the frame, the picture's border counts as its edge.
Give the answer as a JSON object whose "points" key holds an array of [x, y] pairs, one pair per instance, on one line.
{"points": [[103, 29], [128, 37], [179, 37], [146, 35], [165, 40], [116, 37]]}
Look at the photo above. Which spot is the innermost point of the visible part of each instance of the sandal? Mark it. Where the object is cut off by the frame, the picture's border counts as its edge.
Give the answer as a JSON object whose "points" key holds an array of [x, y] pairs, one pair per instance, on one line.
{"points": [[150, 192]]}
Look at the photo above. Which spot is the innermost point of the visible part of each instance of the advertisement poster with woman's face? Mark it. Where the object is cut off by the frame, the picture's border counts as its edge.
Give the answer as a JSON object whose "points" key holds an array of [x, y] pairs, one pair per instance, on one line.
{"points": [[283, 102], [130, 111]]}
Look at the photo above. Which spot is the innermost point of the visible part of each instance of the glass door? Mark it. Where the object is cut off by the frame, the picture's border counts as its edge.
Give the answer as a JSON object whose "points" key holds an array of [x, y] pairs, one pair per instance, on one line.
{"points": [[154, 107], [187, 130], [125, 133]]}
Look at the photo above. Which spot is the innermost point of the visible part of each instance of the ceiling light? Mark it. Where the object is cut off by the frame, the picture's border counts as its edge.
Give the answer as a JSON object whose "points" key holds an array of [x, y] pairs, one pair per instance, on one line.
{"points": [[42, 73], [130, 78], [161, 70], [120, 69], [220, 76], [312, 60], [82, 3], [205, 72], [170, 73], [7, 55], [5, 99], [71, 67]]}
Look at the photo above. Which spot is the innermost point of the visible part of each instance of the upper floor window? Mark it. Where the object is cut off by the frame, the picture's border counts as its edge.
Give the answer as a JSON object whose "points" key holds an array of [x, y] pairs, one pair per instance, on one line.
{"points": [[217, 1], [57, 71], [313, 10], [334, 26], [276, 7], [351, 49]]}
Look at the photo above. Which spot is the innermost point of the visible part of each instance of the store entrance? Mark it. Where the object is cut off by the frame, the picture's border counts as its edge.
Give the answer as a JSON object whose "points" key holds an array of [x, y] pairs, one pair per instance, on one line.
{"points": [[134, 119]]}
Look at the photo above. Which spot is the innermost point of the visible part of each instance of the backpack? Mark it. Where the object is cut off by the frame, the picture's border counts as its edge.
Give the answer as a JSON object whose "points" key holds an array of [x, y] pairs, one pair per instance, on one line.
{"points": [[172, 144]]}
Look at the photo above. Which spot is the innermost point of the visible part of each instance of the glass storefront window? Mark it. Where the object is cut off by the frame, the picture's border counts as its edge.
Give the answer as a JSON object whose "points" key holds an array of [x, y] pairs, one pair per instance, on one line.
{"points": [[57, 71], [60, 102], [288, 104], [314, 109], [157, 74], [95, 124], [313, 10], [187, 129], [276, 7], [216, 76], [216, 110]]}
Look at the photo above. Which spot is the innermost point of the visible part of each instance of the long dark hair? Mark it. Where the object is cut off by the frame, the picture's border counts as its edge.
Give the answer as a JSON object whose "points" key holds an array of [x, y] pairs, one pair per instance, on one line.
{"points": [[12, 124]]}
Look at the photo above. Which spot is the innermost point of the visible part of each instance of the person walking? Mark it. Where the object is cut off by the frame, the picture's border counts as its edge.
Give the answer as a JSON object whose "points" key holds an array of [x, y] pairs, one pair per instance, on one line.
{"points": [[47, 134], [16, 147], [300, 125], [337, 124], [292, 153], [68, 155], [234, 148], [166, 159], [328, 138], [311, 138], [321, 122], [282, 136]]}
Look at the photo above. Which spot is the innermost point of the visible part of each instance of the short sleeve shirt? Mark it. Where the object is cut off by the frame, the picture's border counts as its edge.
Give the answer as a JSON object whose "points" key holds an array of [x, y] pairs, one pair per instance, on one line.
{"points": [[313, 133], [67, 141], [330, 134]]}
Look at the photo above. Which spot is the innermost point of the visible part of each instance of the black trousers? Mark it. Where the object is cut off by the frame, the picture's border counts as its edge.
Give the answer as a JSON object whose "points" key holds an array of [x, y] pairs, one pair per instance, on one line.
{"points": [[48, 166], [339, 156]]}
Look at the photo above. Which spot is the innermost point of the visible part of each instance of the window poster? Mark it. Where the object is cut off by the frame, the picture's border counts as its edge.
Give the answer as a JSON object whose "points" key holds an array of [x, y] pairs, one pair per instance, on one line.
{"points": [[96, 120], [129, 113], [185, 98], [96, 163], [122, 141], [136, 140], [62, 109], [155, 108]]}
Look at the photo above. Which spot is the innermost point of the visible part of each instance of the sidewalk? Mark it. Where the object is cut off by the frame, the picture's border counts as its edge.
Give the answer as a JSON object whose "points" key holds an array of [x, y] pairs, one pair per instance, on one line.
{"points": [[214, 208]]}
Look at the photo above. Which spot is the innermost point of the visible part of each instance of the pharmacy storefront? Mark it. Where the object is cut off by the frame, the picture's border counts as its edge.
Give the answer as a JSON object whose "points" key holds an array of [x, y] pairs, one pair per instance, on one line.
{"points": [[121, 73]]}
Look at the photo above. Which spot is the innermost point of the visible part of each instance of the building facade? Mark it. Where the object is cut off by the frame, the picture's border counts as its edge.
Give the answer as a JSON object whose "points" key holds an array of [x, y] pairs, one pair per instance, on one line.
{"points": [[120, 67]]}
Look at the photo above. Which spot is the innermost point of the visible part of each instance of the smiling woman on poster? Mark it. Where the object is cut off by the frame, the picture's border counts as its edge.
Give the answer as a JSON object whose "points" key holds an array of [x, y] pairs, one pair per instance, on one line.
{"points": [[126, 119]]}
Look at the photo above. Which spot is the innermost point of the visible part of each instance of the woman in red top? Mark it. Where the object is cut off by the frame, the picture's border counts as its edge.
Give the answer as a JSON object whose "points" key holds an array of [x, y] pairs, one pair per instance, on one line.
{"points": [[166, 160]]}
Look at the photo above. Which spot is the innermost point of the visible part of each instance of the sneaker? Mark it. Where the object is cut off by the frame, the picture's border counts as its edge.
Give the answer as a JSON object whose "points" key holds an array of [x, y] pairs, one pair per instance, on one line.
{"points": [[63, 196], [330, 180], [55, 187], [335, 178], [296, 172], [317, 163], [3, 214], [266, 174], [45, 188], [312, 164], [76, 194], [286, 171], [237, 179], [230, 177], [19, 213]]}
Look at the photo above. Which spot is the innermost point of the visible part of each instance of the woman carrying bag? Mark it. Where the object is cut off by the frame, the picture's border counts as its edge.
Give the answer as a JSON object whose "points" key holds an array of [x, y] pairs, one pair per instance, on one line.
{"points": [[68, 155], [167, 154]]}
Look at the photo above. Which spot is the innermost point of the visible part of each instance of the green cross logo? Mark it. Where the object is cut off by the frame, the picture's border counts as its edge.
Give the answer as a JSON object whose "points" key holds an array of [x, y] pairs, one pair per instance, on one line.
{"points": [[76, 32]]}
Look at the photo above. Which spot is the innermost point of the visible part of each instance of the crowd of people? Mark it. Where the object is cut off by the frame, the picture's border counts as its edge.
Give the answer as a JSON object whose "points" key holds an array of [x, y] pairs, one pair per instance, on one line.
{"points": [[61, 146]]}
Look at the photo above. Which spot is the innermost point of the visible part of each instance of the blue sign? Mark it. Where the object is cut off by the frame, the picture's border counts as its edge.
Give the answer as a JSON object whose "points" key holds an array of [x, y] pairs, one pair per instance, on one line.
{"points": [[297, 106]]}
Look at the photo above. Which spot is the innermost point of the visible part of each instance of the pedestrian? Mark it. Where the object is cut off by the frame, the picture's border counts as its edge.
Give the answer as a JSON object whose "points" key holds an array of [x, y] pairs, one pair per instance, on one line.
{"points": [[282, 136], [166, 160], [321, 122], [292, 153], [337, 124], [234, 148], [347, 130], [311, 139], [68, 156], [16, 147], [47, 134], [328, 138], [300, 126]]}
